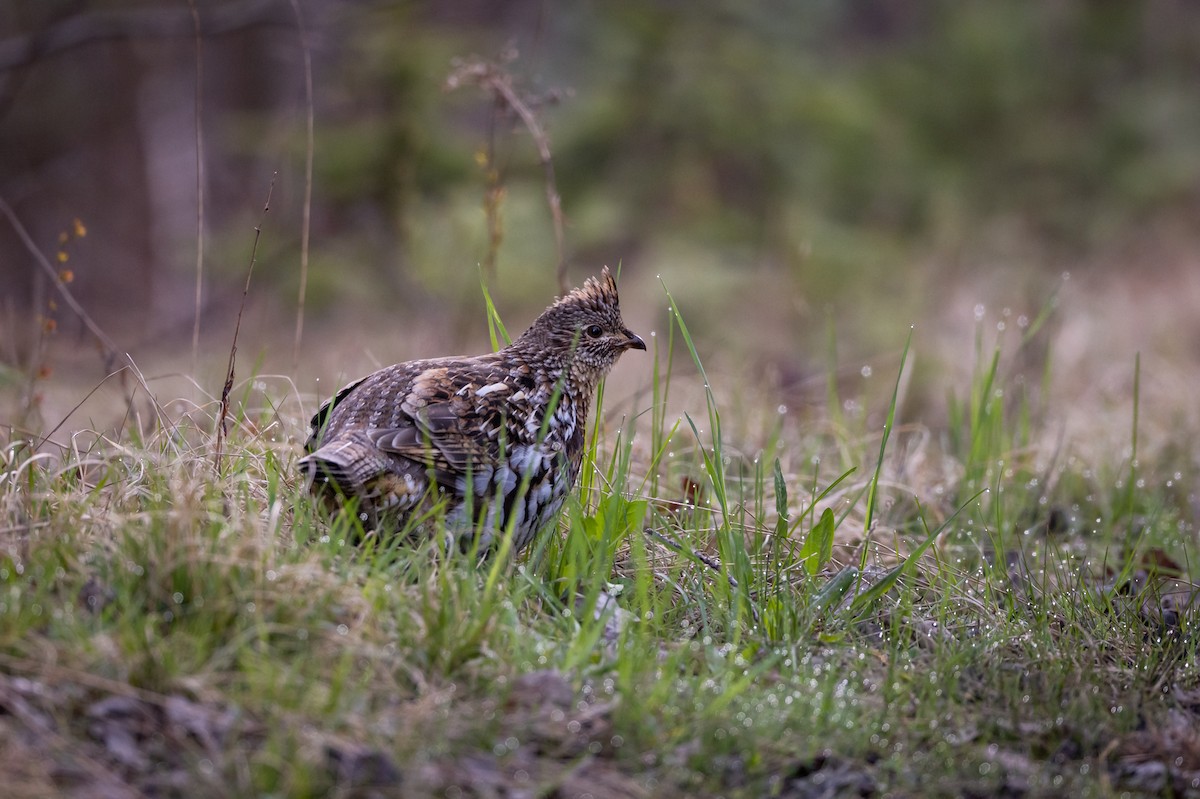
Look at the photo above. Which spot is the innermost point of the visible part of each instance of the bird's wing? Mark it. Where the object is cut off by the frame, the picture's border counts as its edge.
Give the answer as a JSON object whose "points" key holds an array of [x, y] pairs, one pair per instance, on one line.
{"points": [[441, 439], [320, 420], [448, 415], [451, 420]]}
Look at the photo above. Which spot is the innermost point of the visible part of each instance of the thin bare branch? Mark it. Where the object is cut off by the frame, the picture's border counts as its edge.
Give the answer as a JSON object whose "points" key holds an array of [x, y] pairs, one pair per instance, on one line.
{"points": [[306, 223], [111, 353], [493, 193], [223, 413], [199, 182], [78, 405], [494, 79]]}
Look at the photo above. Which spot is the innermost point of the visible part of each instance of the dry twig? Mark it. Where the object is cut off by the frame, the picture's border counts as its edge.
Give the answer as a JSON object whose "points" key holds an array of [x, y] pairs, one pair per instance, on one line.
{"points": [[199, 181], [497, 81], [223, 413], [306, 223], [111, 354]]}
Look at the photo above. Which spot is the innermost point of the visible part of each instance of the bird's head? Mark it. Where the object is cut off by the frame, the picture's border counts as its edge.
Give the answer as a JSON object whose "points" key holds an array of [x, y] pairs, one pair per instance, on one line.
{"points": [[584, 329]]}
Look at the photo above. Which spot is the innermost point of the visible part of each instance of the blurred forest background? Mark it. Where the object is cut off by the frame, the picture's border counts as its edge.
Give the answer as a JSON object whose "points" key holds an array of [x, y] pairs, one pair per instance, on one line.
{"points": [[782, 166]]}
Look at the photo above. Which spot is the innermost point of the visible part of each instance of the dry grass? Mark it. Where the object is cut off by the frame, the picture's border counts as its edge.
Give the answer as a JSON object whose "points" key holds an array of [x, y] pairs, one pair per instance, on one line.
{"points": [[163, 629]]}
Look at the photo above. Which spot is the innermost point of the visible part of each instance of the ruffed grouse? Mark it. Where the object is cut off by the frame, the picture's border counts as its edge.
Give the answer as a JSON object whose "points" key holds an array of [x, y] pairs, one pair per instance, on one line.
{"points": [[498, 438]]}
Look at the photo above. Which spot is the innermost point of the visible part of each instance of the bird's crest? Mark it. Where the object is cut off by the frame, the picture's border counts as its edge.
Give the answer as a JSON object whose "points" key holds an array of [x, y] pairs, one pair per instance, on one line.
{"points": [[596, 293]]}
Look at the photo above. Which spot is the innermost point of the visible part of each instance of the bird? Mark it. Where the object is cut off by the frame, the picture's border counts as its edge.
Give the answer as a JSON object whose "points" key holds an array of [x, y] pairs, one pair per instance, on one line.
{"points": [[494, 442]]}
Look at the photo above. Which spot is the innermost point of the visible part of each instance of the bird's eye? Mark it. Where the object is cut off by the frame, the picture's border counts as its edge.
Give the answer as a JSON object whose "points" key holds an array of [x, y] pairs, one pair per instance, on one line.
{"points": [[594, 331]]}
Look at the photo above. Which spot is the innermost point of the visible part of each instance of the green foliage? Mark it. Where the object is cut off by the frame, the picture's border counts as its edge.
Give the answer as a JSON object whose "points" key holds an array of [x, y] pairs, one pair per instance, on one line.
{"points": [[873, 486], [818, 545], [496, 330]]}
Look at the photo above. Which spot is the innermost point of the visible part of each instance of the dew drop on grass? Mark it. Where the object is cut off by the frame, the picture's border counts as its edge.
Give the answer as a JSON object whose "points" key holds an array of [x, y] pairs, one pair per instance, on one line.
{"points": [[865, 371], [980, 310]]}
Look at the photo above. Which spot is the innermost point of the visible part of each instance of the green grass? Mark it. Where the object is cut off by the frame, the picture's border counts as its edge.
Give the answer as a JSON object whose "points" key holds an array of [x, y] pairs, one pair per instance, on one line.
{"points": [[708, 621]]}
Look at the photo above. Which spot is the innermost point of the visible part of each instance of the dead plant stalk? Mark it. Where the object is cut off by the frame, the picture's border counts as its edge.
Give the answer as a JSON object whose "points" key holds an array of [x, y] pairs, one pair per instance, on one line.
{"points": [[223, 412]]}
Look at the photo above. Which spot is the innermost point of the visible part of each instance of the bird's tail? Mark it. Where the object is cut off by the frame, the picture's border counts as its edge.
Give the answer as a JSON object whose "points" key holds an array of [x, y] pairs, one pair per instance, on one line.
{"points": [[343, 467]]}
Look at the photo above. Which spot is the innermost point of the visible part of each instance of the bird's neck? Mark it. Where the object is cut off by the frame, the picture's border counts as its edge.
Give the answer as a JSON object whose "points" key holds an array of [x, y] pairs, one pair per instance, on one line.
{"points": [[575, 386], [554, 365], [534, 352], [562, 370]]}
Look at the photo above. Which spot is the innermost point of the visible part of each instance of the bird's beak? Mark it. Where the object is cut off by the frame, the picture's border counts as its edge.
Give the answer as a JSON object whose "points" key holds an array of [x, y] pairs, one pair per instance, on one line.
{"points": [[633, 341]]}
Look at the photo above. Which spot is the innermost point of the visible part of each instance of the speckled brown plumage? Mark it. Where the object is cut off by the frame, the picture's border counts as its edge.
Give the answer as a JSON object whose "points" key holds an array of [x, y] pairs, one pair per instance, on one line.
{"points": [[497, 437]]}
